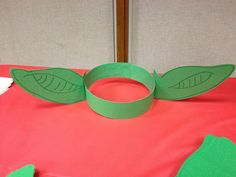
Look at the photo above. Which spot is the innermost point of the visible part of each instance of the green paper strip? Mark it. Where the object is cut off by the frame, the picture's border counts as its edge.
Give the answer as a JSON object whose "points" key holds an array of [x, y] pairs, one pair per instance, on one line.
{"points": [[26, 171], [56, 84], [119, 110], [189, 81]]}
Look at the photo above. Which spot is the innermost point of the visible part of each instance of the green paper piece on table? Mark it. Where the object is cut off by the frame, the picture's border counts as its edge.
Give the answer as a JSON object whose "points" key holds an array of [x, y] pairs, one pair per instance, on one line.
{"points": [[121, 110], [65, 86], [189, 81], [58, 85], [215, 158], [26, 171]]}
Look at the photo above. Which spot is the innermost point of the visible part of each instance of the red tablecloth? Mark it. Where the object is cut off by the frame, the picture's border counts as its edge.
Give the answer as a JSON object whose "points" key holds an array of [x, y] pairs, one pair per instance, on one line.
{"points": [[73, 141]]}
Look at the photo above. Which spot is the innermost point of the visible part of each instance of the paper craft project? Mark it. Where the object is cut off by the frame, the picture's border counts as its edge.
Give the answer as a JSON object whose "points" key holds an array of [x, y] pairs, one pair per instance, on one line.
{"points": [[65, 86], [5, 83], [189, 81], [216, 157], [119, 109], [26, 171], [56, 84]]}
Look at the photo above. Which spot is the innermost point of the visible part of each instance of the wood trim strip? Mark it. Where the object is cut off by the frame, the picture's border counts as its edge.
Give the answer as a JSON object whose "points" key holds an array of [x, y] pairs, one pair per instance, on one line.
{"points": [[122, 29]]}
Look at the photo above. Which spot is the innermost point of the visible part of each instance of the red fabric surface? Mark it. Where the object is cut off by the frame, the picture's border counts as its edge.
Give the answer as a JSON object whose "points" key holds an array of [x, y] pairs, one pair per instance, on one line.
{"points": [[73, 141]]}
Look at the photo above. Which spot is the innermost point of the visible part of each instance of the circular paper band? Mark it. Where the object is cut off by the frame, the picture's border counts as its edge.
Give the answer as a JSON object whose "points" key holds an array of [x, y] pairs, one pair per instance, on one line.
{"points": [[119, 110]]}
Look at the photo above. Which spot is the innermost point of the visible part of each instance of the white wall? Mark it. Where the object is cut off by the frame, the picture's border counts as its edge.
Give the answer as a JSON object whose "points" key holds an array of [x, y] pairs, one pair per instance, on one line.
{"points": [[79, 33], [68, 33], [170, 33]]}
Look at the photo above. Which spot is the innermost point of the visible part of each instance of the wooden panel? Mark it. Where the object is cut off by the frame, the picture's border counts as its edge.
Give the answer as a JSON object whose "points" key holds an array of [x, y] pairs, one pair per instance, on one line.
{"points": [[122, 26]]}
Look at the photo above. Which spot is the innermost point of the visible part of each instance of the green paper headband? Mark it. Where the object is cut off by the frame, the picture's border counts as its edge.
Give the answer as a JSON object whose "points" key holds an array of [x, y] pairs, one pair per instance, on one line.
{"points": [[64, 86]]}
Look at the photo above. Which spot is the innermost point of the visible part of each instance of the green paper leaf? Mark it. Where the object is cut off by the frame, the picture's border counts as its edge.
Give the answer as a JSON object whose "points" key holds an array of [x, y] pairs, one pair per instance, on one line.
{"points": [[58, 85], [189, 81], [26, 171]]}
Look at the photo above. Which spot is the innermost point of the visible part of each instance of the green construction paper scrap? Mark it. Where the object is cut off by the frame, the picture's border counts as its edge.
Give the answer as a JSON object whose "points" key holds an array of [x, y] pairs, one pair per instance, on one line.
{"points": [[215, 158], [189, 81], [26, 171], [120, 110], [58, 85]]}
